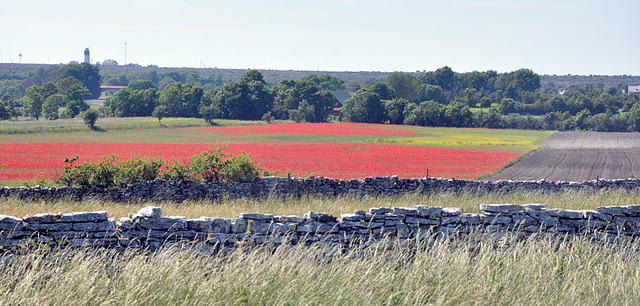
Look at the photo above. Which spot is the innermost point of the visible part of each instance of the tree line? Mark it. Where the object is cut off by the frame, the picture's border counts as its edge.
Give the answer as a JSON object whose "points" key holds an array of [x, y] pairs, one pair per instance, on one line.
{"points": [[442, 97]]}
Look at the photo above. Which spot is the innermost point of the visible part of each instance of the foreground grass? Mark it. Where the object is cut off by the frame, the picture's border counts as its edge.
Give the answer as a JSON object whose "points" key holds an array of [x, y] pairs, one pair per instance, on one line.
{"points": [[337, 206], [503, 271], [531, 272]]}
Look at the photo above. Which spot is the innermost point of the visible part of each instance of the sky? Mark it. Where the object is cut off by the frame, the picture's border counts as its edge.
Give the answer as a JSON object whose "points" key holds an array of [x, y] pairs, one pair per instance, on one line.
{"points": [[548, 36]]}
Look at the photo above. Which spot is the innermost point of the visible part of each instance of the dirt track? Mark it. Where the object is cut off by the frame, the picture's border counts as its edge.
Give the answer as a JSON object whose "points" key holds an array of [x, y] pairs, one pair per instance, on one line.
{"points": [[580, 156]]}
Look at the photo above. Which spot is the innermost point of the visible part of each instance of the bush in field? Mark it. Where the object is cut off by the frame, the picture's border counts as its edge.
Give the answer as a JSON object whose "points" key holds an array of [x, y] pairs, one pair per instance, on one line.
{"points": [[90, 117], [111, 172]]}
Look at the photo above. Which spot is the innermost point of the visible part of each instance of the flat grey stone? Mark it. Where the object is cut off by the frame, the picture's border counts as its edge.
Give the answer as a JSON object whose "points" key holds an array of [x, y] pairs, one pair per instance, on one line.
{"points": [[405, 211], [257, 217], [202, 224], [42, 218], [259, 227], [421, 221], [498, 219], [451, 211], [449, 220], [150, 212], [282, 228], [429, 212], [525, 220], [566, 213], [125, 223], [596, 215], [164, 223], [469, 218], [85, 216], [68, 234], [502, 208], [535, 206], [352, 217], [9, 221], [317, 228], [392, 223], [288, 219], [548, 220], [352, 224], [387, 217], [58, 226], [222, 238], [380, 210], [239, 226], [631, 210], [103, 226], [320, 217]]}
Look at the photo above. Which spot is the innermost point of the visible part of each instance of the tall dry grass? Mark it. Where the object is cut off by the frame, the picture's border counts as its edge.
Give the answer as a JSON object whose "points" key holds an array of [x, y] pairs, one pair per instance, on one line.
{"points": [[533, 272]]}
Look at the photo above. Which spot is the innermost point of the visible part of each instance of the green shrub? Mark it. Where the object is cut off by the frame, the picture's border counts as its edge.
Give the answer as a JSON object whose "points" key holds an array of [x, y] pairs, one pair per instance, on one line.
{"points": [[111, 172]]}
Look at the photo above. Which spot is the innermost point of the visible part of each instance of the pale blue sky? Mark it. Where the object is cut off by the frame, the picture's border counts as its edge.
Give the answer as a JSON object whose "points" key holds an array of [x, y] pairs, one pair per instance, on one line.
{"points": [[548, 36]]}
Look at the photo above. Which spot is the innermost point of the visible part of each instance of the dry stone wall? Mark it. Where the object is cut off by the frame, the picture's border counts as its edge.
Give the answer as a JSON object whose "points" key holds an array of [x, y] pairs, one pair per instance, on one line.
{"points": [[148, 228], [165, 190]]}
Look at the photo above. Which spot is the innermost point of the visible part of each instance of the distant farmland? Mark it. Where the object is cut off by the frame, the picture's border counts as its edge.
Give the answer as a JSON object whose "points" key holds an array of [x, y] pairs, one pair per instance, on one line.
{"points": [[580, 156], [346, 150]]}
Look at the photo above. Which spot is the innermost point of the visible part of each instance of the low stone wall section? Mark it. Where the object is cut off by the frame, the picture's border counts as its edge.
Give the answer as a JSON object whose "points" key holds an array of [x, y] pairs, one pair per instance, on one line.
{"points": [[148, 228], [166, 190]]}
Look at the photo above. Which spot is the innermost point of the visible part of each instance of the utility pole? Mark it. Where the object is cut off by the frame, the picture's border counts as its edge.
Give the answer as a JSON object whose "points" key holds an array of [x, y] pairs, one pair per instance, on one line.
{"points": [[125, 53]]}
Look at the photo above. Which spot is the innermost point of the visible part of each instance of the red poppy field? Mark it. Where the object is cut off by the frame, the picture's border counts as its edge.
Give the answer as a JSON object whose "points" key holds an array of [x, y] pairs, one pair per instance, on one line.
{"points": [[20, 161]]}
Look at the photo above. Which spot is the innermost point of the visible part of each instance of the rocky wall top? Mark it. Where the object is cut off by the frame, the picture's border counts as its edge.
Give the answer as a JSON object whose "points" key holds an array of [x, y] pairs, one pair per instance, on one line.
{"points": [[165, 190], [149, 228]]}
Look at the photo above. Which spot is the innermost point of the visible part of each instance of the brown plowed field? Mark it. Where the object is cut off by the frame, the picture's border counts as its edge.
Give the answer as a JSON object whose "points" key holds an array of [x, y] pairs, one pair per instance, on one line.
{"points": [[580, 156]]}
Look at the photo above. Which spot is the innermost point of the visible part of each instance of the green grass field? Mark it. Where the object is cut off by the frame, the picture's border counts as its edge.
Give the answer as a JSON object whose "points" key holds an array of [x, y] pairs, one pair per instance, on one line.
{"points": [[181, 130]]}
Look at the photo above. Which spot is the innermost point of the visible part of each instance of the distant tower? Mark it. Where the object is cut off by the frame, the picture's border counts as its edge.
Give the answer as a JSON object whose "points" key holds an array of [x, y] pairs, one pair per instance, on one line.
{"points": [[87, 58]]}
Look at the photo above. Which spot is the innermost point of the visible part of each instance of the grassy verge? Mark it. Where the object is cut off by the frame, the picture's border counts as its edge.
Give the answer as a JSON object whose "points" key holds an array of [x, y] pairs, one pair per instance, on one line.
{"points": [[10, 127], [233, 208]]}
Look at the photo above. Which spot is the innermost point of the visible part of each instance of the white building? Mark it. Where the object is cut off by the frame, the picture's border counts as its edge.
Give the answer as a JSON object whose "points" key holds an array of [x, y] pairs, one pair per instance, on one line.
{"points": [[109, 62]]}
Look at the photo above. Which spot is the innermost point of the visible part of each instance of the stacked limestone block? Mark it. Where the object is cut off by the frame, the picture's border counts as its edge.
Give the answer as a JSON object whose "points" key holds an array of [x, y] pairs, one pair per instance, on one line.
{"points": [[80, 228], [147, 227]]}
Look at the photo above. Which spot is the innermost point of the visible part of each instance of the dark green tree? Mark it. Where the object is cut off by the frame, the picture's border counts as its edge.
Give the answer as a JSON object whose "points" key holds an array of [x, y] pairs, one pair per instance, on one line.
{"points": [[432, 93], [446, 78], [405, 85], [181, 100], [327, 82], [90, 117], [159, 112], [364, 106], [141, 85], [32, 102], [128, 102], [395, 110], [634, 118], [73, 89], [247, 99], [87, 74], [526, 79], [428, 113], [383, 90], [6, 110], [52, 105], [457, 114]]}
